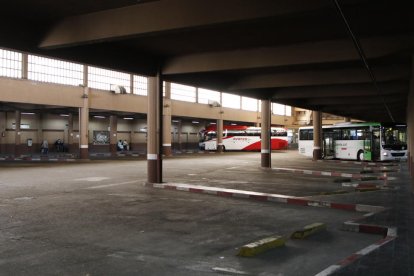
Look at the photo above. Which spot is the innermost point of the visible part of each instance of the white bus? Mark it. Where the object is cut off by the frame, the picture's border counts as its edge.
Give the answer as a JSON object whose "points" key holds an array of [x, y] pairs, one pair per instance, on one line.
{"points": [[242, 138], [358, 141]]}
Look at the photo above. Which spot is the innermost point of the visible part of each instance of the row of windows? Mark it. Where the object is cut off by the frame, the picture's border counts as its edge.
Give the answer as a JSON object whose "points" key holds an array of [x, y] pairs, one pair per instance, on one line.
{"points": [[337, 134], [62, 72], [247, 133]]}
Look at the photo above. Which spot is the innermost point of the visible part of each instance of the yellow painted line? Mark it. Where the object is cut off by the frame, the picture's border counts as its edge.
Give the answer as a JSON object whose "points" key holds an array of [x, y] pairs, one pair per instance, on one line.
{"points": [[308, 230], [260, 246]]}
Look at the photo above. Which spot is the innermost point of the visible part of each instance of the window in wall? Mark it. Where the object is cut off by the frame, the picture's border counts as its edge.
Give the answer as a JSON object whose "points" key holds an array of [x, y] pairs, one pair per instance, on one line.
{"points": [[54, 71], [10, 64], [230, 100], [183, 92], [288, 110], [140, 85], [249, 104], [281, 109], [204, 95], [278, 109], [105, 79]]}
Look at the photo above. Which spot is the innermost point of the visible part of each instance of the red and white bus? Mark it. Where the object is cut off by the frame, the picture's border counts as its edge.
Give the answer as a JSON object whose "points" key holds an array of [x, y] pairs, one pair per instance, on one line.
{"points": [[242, 138]]}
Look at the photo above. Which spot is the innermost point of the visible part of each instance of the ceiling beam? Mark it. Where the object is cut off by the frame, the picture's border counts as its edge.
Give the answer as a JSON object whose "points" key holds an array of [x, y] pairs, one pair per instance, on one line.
{"points": [[352, 101], [297, 54], [166, 16], [346, 90], [320, 77]]}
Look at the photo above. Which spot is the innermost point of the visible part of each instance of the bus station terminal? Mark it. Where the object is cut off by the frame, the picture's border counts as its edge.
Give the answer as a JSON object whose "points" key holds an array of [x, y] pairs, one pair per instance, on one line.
{"points": [[190, 137]]}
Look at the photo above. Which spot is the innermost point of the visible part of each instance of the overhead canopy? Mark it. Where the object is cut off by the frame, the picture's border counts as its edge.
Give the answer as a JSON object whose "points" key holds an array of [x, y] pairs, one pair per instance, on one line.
{"points": [[295, 52]]}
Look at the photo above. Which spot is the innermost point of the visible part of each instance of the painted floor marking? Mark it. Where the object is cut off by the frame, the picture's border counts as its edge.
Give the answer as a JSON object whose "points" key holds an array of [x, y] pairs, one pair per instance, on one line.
{"points": [[92, 179], [111, 185]]}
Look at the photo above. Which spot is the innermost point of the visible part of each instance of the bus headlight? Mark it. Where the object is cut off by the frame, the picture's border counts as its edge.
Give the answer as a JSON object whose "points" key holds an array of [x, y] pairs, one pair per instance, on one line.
{"points": [[385, 153]]}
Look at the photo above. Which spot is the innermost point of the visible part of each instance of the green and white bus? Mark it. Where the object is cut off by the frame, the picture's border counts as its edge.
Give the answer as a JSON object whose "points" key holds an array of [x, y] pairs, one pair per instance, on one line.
{"points": [[358, 141]]}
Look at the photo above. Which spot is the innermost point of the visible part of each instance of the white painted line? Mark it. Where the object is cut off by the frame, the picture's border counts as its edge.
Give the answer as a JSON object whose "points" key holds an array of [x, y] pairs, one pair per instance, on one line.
{"points": [[111, 185], [84, 146], [229, 271], [326, 173], [231, 168], [329, 270], [92, 178], [368, 249]]}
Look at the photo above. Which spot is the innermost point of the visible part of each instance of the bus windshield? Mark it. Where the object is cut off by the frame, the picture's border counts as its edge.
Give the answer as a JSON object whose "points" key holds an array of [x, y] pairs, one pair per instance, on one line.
{"points": [[394, 136]]}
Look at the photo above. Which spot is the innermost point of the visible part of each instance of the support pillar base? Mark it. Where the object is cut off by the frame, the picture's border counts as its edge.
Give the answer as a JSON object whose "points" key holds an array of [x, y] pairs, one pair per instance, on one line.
{"points": [[84, 153], [154, 171], [220, 149], [113, 149], [317, 154], [166, 150], [265, 160], [18, 150]]}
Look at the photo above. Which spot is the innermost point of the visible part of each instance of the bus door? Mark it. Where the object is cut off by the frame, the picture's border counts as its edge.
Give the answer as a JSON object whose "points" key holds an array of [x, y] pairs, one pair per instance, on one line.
{"points": [[376, 143], [328, 144], [368, 145]]}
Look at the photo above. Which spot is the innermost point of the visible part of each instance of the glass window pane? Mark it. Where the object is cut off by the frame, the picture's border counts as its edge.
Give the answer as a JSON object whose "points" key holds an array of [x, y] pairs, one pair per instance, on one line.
{"points": [[183, 92], [230, 100], [105, 79], [10, 64], [54, 71], [249, 104], [204, 95], [140, 85]]}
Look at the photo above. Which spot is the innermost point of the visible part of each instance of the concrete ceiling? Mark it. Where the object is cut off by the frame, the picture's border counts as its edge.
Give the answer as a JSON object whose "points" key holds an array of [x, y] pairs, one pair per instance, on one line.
{"points": [[296, 52]]}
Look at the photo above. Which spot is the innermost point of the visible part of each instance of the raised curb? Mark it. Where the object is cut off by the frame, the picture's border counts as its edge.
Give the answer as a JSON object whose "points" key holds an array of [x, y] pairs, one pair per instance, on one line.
{"points": [[360, 163], [260, 246], [370, 210], [267, 197], [43, 159], [336, 174], [390, 236], [308, 230]]}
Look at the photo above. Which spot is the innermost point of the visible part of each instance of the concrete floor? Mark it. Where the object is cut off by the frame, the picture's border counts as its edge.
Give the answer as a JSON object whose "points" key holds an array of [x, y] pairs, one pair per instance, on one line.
{"points": [[98, 218]]}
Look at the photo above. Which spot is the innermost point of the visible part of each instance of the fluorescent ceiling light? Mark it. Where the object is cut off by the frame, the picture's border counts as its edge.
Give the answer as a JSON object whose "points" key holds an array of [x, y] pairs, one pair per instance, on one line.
{"points": [[64, 115], [27, 113], [195, 122], [99, 117], [128, 118]]}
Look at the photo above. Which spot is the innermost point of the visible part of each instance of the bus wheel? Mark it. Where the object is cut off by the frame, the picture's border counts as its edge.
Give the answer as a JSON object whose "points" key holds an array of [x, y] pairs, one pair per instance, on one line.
{"points": [[360, 155]]}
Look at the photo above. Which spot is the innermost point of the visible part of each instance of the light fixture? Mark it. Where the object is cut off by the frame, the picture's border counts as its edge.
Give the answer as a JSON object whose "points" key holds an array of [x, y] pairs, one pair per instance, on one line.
{"points": [[233, 124], [212, 123], [175, 121], [64, 115], [27, 113], [128, 118], [99, 117], [195, 122]]}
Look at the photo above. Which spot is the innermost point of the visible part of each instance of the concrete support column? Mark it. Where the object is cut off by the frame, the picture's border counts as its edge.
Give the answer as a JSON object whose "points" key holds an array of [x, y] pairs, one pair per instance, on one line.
{"points": [[317, 135], [84, 126], [154, 129], [3, 126], [17, 135], [179, 134], [219, 133], [25, 66], [113, 131], [166, 118], [265, 135], [70, 132], [410, 125]]}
